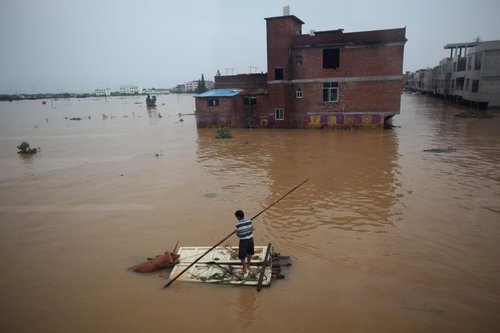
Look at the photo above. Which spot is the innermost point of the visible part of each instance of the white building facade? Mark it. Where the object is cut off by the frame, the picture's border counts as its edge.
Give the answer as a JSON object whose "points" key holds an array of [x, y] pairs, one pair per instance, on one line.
{"points": [[130, 89], [103, 92]]}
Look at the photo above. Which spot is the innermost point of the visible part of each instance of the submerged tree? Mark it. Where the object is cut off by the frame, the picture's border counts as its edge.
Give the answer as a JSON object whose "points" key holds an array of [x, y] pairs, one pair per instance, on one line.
{"points": [[24, 148], [202, 87]]}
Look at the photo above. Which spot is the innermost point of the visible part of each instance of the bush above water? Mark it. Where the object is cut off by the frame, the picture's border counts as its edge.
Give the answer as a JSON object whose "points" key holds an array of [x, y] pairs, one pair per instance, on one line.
{"points": [[223, 133]]}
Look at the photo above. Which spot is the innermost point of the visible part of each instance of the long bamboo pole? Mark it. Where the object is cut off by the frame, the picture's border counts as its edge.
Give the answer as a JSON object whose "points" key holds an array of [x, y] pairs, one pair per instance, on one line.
{"points": [[225, 238]]}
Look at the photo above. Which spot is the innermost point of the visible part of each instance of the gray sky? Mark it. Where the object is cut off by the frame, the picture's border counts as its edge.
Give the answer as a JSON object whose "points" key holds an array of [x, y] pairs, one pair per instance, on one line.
{"points": [[80, 45]]}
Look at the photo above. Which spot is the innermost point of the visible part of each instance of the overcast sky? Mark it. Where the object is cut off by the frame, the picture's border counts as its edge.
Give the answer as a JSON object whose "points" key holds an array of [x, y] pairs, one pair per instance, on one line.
{"points": [[80, 45]]}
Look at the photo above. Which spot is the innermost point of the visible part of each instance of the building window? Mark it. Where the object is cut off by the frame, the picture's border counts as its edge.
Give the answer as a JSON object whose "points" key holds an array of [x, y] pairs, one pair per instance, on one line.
{"points": [[475, 86], [477, 63], [298, 60], [249, 101], [469, 63], [467, 82], [299, 93], [331, 58], [278, 73], [330, 91], [279, 114], [213, 102]]}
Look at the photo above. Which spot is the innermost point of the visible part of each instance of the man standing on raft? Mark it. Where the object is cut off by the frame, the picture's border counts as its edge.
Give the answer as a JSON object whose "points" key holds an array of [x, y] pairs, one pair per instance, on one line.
{"points": [[244, 231]]}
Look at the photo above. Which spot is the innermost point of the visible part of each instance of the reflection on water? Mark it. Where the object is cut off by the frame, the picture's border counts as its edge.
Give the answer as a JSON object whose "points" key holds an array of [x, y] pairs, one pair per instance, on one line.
{"points": [[247, 308], [352, 182], [405, 239], [27, 159]]}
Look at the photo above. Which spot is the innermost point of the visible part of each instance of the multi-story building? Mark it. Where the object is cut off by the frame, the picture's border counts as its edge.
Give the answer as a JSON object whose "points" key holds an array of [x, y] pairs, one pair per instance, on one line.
{"points": [[130, 89], [102, 92], [481, 79], [315, 80], [191, 86], [471, 75]]}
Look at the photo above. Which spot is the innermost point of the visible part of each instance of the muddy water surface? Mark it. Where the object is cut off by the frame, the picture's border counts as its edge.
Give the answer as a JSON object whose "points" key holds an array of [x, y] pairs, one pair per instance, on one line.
{"points": [[383, 237]]}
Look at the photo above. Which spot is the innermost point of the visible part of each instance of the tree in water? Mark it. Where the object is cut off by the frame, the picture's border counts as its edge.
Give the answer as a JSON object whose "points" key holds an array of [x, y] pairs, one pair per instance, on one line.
{"points": [[202, 87]]}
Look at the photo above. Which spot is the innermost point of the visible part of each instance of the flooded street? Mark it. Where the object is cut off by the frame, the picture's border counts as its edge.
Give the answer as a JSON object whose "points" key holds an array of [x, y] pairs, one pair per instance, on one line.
{"points": [[384, 237]]}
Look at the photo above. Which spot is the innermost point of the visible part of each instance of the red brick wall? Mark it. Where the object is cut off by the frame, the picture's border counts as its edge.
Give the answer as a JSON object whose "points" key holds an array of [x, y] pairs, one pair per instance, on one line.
{"points": [[226, 106], [371, 96], [354, 62], [279, 33], [231, 112], [241, 81]]}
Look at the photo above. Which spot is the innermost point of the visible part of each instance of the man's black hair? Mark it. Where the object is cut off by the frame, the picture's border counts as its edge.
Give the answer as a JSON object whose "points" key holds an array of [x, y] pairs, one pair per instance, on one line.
{"points": [[239, 214]]}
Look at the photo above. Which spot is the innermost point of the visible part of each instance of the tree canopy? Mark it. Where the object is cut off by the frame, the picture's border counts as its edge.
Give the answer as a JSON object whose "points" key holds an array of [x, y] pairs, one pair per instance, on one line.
{"points": [[202, 87]]}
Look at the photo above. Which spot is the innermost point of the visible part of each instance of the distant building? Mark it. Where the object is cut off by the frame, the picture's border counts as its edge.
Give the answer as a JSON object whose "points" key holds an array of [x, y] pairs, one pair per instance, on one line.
{"points": [[156, 91], [130, 89], [180, 88], [471, 75], [192, 86], [103, 92], [316, 80]]}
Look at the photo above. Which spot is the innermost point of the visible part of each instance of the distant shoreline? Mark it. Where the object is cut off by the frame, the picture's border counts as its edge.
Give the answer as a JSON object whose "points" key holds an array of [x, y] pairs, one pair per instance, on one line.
{"points": [[18, 97]]}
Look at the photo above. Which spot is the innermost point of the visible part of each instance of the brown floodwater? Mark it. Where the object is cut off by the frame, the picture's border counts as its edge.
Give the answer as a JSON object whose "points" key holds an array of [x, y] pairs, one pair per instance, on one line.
{"points": [[384, 237]]}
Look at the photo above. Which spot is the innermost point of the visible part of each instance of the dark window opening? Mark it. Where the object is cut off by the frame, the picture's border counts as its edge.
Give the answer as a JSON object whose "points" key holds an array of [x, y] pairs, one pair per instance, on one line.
{"points": [[278, 73], [477, 63], [249, 101], [213, 102], [475, 86], [331, 58]]}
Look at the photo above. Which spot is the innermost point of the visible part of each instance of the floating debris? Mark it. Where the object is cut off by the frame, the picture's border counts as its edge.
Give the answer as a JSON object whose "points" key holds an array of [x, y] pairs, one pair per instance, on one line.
{"points": [[450, 149], [473, 114]]}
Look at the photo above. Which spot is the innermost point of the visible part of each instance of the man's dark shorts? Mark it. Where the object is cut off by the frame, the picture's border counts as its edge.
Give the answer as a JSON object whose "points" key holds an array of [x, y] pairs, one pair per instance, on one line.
{"points": [[246, 248]]}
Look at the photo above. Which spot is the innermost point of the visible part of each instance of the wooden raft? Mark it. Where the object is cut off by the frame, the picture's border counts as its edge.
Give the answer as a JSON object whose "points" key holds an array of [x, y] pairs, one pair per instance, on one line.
{"points": [[222, 266]]}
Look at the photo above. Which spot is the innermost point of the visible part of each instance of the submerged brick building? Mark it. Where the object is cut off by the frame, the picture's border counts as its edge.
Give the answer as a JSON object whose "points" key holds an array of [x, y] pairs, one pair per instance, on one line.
{"points": [[316, 80]]}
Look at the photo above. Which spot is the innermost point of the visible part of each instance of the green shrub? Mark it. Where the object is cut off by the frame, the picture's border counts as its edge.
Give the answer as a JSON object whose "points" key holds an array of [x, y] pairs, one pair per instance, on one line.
{"points": [[223, 133]]}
